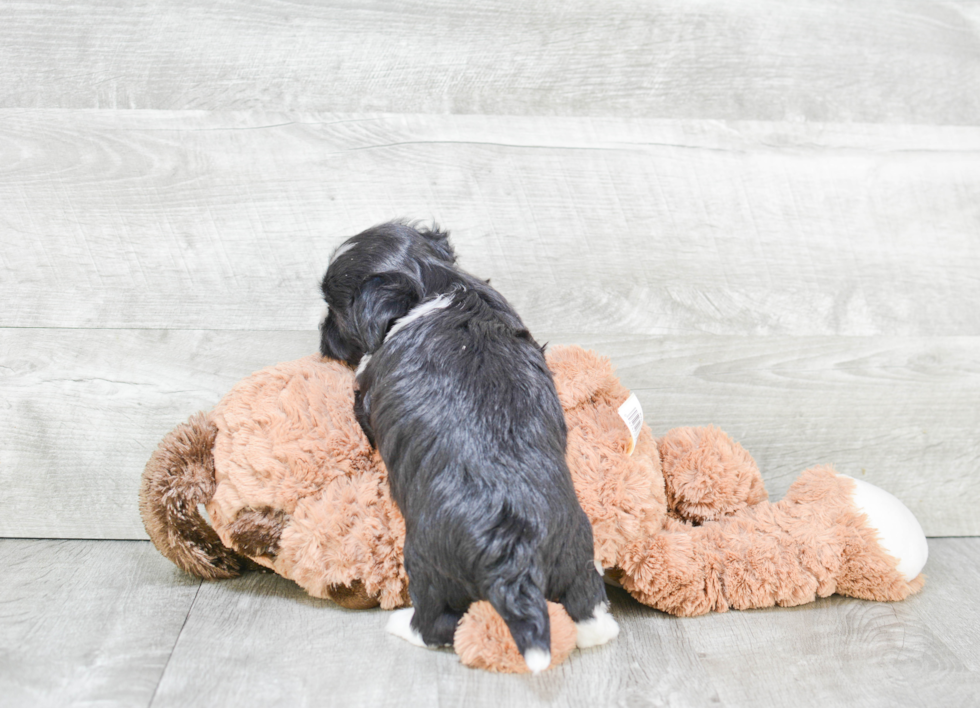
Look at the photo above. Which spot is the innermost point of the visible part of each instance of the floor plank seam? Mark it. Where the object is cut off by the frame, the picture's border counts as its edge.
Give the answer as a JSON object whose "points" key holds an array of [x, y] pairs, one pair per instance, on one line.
{"points": [[174, 647]]}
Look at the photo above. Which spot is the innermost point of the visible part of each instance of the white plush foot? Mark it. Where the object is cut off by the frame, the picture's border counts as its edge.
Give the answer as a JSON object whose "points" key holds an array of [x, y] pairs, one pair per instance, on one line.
{"points": [[601, 628], [899, 532], [400, 624], [537, 660]]}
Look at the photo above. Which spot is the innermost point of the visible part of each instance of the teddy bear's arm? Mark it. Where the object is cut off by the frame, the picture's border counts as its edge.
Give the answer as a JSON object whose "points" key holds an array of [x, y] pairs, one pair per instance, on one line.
{"points": [[707, 475]]}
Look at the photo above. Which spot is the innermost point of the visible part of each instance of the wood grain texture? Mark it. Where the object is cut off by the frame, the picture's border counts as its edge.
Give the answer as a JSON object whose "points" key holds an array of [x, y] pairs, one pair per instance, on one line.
{"points": [[259, 640], [949, 614], [87, 623], [834, 652], [83, 410], [900, 413], [298, 651], [886, 61], [118, 219]]}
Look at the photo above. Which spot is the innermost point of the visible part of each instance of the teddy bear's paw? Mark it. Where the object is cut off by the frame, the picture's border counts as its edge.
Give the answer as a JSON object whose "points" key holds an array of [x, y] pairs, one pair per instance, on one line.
{"points": [[400, 624], [899, 533], [707, 475], [599, 629]]}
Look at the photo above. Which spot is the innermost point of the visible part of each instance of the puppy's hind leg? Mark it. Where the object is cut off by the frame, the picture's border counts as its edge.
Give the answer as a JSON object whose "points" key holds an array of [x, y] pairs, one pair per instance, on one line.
{"points": [[586, 603], [400, 624], [430, 621], [437, 633], [441, 631]]}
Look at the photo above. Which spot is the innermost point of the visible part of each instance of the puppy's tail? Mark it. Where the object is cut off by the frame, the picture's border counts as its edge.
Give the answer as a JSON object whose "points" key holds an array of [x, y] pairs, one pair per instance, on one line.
{"points": [[177, 482], [522, 606]]}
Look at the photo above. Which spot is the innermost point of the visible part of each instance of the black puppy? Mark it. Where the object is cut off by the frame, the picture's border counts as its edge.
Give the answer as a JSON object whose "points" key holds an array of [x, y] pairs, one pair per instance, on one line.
{"points": [[462, 407]]}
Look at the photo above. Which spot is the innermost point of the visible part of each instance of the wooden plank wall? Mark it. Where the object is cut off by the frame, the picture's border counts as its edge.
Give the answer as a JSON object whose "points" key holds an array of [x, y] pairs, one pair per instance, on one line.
{"points": [[766, 214]]}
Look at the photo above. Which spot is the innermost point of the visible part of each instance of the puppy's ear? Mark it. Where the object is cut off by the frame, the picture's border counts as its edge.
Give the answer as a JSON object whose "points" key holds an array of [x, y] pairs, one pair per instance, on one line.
{"points": [[439, 240], [382, 300], [335, 346]]}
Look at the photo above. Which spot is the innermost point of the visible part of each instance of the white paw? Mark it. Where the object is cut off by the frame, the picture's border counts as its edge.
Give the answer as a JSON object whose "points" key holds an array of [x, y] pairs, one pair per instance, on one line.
{"points": [[601, 628], [400, 624], [899, 532], [537, 660]]}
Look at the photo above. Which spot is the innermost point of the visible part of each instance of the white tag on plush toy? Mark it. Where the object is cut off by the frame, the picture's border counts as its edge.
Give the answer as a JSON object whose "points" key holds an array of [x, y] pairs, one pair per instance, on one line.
{"points": [[632, 414]]}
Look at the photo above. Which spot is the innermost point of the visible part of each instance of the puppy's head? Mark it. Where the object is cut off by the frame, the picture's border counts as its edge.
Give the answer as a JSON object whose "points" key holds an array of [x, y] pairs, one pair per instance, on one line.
{"points": [[375, 278]]}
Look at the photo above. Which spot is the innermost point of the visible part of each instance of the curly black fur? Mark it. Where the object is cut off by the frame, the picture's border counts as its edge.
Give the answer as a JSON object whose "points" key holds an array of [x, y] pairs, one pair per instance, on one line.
{"points": [[465, 414]]}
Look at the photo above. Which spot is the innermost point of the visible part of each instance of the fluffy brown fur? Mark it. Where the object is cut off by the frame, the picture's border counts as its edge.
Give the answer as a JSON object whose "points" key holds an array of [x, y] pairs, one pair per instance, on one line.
{"points": [[483, 641], [811, 544], [708, 475], [294, 484], [622, 494], [287, 440], [178, 477]]}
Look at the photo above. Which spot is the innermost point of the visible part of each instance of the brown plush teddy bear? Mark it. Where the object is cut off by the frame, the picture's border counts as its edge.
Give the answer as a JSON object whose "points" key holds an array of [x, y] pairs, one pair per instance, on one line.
{"points": [[280, 475]]}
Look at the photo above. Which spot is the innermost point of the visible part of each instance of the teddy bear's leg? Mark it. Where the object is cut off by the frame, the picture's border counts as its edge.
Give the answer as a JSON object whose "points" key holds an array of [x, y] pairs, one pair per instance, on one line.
{"points": [[819, 540], [899, 533], [707, 475], [177, 483], [675, 572], [886, 548]]}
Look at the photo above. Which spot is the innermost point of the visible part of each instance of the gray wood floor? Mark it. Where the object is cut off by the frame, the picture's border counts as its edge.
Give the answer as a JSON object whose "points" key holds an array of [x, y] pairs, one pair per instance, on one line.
{"points": [[767, 213], [113, 623]]}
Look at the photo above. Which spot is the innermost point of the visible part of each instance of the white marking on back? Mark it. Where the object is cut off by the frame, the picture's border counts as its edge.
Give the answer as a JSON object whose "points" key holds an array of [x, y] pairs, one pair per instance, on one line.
{"points": [[420, 310], [362, 365]]}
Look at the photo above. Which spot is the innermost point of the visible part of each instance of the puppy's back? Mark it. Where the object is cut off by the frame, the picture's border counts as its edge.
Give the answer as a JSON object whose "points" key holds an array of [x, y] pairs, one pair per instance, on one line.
{"points": [[471, 428], [472, 389]]}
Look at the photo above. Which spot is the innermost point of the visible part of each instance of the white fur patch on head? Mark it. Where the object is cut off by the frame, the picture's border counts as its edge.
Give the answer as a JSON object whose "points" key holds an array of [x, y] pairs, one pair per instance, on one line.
{"points": [[600, 629], [400, 624], [420, 310], [341, 250], [598, 568], [537, 660]]}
